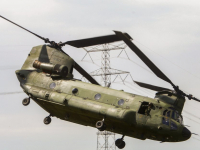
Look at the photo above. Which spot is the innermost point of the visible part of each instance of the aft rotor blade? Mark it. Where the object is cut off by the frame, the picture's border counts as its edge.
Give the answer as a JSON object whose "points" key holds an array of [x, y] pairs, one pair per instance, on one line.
{"points": [[152, 87], [143, 57], [94, 41], [45, 39], [85, 74]]}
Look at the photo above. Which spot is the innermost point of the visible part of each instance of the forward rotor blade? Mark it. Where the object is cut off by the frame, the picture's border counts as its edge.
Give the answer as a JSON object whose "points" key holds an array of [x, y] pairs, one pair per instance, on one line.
{"points": [[143, 57], [152, 87], [189, 96], [153, 67], [85, 74], [45, 39], [194, 98]]}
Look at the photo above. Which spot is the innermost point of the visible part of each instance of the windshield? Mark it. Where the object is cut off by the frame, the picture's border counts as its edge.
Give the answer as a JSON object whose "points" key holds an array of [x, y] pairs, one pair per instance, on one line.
{"points": [[177, 117], [172, 113], [165, 119], [167, 113]]}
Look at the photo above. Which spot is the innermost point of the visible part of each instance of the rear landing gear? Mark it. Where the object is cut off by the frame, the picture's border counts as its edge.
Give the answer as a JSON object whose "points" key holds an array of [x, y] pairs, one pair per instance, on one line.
{"points": [[100, 125], [47, 120], [120, 143], [26, 101]]}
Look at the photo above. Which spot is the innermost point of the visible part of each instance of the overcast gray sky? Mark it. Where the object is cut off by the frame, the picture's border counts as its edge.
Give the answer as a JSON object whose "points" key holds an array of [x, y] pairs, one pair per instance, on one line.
{"points": [[167, 31]]}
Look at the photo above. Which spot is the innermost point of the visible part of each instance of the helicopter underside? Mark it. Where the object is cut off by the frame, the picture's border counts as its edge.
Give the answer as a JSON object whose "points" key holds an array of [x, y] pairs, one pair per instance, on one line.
{"points": [[61, 112], [66, 114]]}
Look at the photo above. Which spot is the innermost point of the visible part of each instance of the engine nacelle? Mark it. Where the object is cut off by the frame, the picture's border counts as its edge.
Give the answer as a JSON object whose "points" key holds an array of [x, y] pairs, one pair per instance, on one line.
{"points": [[57, 69]]}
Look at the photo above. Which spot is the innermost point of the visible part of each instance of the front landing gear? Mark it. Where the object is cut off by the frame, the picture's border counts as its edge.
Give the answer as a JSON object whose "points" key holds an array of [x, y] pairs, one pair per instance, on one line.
{"points": [[47, 120], [120, 143], [26, 101]]}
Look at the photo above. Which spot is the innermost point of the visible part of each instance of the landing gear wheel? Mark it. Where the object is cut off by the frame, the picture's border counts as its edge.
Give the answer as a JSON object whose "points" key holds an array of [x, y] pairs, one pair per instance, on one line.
{"points": [[100, 125], [47, 120], [26, 101], [120, 143]]}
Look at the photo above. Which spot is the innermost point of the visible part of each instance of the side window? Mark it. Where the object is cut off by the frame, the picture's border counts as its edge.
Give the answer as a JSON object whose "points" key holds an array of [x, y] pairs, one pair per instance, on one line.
{"points": [[97, 96], [74, 91], [52, 85], [121, 102]]}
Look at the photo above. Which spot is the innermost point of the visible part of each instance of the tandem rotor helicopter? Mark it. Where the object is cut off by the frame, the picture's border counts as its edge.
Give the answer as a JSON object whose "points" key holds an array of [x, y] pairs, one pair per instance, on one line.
{"points": [[47, 78]]}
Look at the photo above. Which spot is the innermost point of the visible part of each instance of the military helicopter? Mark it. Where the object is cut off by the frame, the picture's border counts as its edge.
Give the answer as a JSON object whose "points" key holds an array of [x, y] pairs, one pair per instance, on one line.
{"points": [[47, 78]]}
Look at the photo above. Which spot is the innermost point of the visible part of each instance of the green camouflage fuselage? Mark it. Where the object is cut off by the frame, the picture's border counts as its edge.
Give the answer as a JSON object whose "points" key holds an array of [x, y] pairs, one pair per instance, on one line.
{"points": [[56, 96]]}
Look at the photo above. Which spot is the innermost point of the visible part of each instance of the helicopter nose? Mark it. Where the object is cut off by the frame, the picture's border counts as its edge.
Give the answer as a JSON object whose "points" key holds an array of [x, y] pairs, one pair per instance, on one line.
{"points": [[17, 71], [186, 133]]}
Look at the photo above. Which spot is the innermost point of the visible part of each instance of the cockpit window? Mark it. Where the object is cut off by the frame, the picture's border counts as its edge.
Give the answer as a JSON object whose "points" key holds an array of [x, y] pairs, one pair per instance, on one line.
{"points": [[177, 117], [174, 116], [173, 126], [164, 113], [165, 121], [170, 114], [167, 113], [180, 119]]}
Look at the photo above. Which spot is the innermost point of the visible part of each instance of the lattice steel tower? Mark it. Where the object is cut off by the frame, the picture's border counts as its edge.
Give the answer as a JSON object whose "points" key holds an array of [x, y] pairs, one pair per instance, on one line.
{"points": [[105, 66], [106, 71], [106, 139]]}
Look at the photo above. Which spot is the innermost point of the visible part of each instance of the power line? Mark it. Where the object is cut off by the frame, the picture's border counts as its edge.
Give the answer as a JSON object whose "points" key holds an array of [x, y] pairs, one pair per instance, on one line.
{"points": [[169, 60], [191, 119], [9, 68], [8, 93], [191, 114], [13, 45], [196, 138], [193, 106], [136, 64], [141, 89]]}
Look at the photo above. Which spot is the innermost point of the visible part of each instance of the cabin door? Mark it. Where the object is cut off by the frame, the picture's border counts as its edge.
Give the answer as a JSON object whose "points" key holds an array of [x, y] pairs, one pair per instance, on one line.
{"points": [[142, 116]]}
